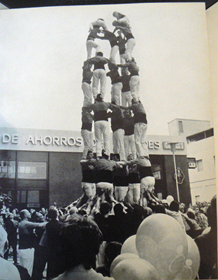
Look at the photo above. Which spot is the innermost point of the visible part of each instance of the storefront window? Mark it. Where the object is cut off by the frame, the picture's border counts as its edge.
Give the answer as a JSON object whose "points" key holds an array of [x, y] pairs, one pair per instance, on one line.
{"points": [[31, 170], [156, 169], [7, 169]]}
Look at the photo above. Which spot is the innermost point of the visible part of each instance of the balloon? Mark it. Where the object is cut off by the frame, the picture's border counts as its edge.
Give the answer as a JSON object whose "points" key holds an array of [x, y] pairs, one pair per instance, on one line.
{"points": [[129, 245], [169, 199], [162, 242], [192, 262], [121, 257], [134, 269]]}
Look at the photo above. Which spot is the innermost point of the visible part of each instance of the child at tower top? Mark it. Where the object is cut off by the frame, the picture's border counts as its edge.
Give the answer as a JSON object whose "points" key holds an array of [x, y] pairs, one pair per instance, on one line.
{"points": [[122, 23], [95, 27]]}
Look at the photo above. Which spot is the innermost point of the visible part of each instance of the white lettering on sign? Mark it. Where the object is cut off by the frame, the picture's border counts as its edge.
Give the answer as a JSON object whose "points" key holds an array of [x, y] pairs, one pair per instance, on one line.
{"points": [[6, 138], [52, 140], [153, 145], [179, 146]]}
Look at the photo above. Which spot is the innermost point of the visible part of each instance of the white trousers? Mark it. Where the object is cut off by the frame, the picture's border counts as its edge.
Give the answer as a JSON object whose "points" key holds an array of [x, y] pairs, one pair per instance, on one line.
{"points": [[140, 141], [120, 192], [102, 131], [134, 84], [129, 143], [87, 91], [90, 44], [26, 259], [99, 76], [87, 141], [116, 92], [130, 44], [126, 99], [118, 143], [113, 54], [134, 193]]}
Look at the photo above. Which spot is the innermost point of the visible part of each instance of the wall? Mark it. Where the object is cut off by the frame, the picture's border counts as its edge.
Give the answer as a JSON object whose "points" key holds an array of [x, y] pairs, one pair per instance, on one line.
{"points": [[212, 28], [203, 182], [184, 189], [64, 178]]}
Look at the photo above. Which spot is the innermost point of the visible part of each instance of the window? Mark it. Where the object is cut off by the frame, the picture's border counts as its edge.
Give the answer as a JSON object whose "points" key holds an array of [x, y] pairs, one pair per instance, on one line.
{"points": [[199, 165], [7, 169], [31, 170], [156, 169], [180, 127]]}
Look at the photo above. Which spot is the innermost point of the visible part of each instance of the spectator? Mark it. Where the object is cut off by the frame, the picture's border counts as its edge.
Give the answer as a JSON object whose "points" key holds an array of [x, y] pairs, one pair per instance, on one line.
{"points": [[11, 227], [27, 240], [207, 245], [81, 239], [201, 218], [10, 271]]}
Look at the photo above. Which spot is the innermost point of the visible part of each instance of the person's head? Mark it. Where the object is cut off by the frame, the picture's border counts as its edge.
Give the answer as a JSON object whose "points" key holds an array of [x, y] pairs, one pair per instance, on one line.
{"points": [[90, 154], [105, 208], [124, 71], [116, 157], [73, 210], [130, 157], [212, 214], [38, 217], [99, 54], [197, 210], [159, 209], [117, 15], [3, 241], [52, 213], [99, 98], [80, 239], [112, 250], [174, 206], [182, 207], [191, 213], [118, 209], [127, 113], [25, 214]]}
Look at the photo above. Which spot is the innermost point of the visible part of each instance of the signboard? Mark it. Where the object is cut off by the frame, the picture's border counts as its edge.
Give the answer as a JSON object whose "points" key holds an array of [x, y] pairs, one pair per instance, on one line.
{"points": [[72, 141], [191, 163]]}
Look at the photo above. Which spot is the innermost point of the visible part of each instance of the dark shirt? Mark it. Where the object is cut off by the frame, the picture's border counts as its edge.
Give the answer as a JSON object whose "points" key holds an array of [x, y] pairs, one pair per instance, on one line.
{"points": [[115, 76], [128, 125], [116, 120], [110, 36], [125, 81], [88, 171], [104, 168], [120, 176]]}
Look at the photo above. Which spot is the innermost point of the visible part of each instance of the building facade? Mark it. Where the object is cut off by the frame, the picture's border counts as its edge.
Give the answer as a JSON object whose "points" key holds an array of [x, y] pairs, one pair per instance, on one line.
{"points": [[40, 167]]}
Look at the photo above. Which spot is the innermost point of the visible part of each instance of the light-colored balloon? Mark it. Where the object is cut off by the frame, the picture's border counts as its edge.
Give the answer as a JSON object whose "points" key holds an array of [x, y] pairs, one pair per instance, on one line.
{"points": [[162, 242], [134, 269], [192, 262], [129, 246], [120, 258], [169, 199]]}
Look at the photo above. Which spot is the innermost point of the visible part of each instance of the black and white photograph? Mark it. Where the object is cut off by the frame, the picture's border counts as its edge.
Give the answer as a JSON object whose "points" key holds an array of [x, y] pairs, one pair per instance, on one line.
{"points": [[108, 127]]}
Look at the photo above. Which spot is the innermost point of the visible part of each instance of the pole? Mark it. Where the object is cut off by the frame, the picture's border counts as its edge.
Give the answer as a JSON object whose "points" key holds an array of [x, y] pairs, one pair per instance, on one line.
{"points": [[173, 147]]}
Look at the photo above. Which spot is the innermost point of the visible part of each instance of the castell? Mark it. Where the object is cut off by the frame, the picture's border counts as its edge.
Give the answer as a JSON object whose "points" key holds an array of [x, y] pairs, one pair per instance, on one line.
{"points": [[123, 174]]}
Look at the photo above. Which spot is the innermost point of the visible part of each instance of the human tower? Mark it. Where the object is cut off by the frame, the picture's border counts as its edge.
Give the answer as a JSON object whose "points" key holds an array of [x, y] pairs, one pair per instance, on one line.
{"points": [[126, 173]]}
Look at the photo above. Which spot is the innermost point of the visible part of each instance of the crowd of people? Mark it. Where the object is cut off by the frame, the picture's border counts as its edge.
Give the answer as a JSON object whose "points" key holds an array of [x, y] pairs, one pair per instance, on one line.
{"points": [[65, 241]]}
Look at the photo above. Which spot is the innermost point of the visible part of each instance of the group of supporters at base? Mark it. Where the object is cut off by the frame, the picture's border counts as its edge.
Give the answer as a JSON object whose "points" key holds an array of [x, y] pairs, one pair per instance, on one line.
{"points": [[116, 180], [75, 245]]}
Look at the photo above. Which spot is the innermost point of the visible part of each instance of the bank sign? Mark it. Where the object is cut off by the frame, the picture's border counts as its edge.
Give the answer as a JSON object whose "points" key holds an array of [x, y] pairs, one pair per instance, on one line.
{"points": [[71, 141]]}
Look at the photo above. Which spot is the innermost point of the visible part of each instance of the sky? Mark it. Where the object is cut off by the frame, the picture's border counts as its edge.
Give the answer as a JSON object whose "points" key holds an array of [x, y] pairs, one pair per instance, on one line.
{"points": [[43, 49]]}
